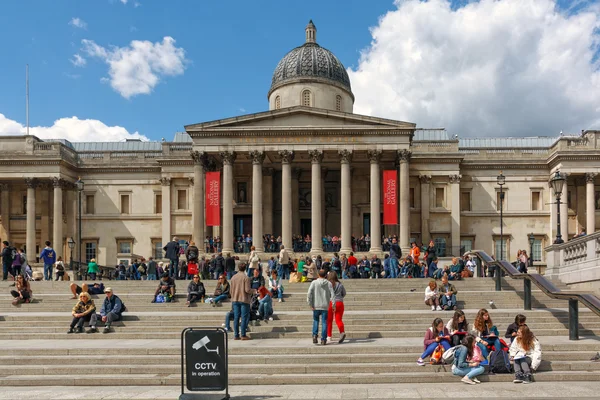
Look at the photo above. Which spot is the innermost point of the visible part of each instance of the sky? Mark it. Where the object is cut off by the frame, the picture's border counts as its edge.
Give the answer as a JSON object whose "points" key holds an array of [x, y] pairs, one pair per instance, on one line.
{"points": [[110, 70]]}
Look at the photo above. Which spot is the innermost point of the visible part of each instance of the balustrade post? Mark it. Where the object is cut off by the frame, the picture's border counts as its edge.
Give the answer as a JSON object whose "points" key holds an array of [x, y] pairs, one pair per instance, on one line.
{"points": [[498, 276], [573, 319]]}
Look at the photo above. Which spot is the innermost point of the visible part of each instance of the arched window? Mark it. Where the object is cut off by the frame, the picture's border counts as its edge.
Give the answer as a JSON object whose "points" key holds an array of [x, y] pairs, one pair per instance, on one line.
{"points": [[338, 103], [277, 103], [306, 98]]}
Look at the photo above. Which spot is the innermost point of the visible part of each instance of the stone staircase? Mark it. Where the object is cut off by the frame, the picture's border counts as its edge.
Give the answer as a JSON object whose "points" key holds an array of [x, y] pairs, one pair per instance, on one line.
{"points": [[385, 323]]}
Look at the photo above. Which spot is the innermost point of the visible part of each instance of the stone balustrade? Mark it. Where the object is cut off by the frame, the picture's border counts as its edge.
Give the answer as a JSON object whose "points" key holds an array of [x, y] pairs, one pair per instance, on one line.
{"points": [[576, 261]]}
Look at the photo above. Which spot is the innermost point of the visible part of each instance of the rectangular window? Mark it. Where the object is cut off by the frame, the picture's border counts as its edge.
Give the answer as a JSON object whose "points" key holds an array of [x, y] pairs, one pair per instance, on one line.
{"points": [[157, 249], [536, 201], [125, 204], [89, 204], [500, 201], [466, 245], [124, 247], [158, 204], [440, 246], [90, 251], [500, 249], [411, 197], [182, 200], [537, 250], [465, 201], [439, 198]]}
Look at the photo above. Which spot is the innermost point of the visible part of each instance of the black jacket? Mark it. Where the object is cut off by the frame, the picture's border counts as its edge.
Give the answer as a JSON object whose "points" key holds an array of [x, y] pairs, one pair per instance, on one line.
{"points": [[230, 263], [194, 287], [191, 253], [219, 263], [172, 250]]}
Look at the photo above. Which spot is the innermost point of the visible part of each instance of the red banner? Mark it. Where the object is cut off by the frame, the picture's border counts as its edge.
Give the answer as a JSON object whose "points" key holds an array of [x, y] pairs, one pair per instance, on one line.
{"points": [[390, 197], [213, 198]]}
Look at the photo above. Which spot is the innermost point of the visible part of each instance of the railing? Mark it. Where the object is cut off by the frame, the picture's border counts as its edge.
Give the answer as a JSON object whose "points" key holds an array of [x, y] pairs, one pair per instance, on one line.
{"points": [[575, 261], [80, 271], [590, 301]]}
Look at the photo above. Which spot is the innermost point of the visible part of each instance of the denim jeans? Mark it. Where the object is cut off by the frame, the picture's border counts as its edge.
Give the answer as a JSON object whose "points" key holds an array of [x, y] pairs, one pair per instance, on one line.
{"points": [[227, 321], [393, 267], [323, 315], [431, 348], [173, 268], [445, 300], [230, 274], [5, 269], [151, 277], [249, 272], [220, 298], [470, 372], [286, 272], [48, 272], [277, 292], [240, 310], [493, 342], [265, 310]]}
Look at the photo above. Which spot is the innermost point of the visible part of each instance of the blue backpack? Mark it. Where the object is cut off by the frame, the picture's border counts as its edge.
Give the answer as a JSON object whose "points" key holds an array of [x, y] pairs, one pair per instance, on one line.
{"points": [[500, 362]]}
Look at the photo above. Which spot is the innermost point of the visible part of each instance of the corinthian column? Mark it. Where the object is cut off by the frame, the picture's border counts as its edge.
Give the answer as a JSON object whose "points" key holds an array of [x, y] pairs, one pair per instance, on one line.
{"points": [[375, 157], [257, 194], [30, 239], [57, 225], [316, 156], [286, 198], [404, 158], [346, 200], [590, 206], [199, 158], [227, 236]]}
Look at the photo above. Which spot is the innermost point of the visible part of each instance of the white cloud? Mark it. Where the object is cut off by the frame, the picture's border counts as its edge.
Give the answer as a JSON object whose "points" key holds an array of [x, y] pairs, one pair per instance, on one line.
{"points": [[78, 23], [138, 68], [124, 1], [490, 68], [78, 61], [72, 129]]}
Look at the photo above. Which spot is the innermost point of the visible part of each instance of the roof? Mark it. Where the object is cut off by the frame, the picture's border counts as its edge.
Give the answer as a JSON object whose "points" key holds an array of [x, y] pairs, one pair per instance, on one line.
{"points": [[428, 135], [508, 142], [127, 145]]}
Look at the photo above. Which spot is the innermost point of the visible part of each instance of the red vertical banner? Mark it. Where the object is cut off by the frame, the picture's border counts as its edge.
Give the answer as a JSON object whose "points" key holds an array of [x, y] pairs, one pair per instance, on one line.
{"points": [[213, 198], [390, 197]]}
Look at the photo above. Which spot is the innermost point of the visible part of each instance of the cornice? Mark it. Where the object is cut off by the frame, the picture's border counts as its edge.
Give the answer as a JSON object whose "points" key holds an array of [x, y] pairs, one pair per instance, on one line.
{"points": [[36, 161], [122, 169], [300, 131]]}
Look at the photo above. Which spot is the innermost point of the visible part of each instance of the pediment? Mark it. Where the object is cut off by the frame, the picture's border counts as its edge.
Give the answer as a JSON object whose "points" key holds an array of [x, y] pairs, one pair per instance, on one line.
{"points": [[301, 117]]}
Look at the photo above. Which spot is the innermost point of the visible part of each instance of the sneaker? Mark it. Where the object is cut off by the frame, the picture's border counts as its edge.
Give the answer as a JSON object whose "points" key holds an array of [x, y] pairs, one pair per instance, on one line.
{"points": [[227, 329], [420, 362], [79, 329], [280, 300], [315, 340], [517, 380], [270, 318], [106, 330], [212, 303], [329, 338], [432, 308], [440, 309], [468, 381], [187, 303], [476, 380], [445, 308], [71, 330], [92, 330], [526, 380], [342, 338]]}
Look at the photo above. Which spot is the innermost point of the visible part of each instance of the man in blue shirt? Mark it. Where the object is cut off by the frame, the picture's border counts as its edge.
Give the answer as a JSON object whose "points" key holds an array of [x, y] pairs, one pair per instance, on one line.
{"points": [[48, 256]]}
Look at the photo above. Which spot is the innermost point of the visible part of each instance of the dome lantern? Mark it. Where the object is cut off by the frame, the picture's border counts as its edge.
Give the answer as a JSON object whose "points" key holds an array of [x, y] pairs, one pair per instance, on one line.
{"points": [[311, 32]]}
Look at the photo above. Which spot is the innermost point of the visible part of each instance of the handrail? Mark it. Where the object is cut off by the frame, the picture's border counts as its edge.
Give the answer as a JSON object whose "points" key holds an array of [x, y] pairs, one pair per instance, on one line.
{"points": [[548, 288]]}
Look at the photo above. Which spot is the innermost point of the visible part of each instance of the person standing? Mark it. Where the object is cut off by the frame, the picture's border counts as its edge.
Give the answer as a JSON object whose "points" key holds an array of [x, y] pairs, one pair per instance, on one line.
{"points": [[240, 297], [253, 261], [337, 312], [151, 269], [7, 258], [395, 253], [172, 253], [48, 256], [230, 265], [320, 294], [219, 265], [284, 261]]}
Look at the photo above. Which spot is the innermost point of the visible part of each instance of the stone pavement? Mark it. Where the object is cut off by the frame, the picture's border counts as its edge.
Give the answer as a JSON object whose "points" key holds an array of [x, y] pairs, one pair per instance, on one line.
{"points": [[497, 390]]}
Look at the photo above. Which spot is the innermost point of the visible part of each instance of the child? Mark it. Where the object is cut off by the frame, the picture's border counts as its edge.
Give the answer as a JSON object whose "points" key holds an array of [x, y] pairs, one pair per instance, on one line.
{"points": [[432, 297], [467, 362], [458, 327], [434, 336], [511, 331], [526, 353]]}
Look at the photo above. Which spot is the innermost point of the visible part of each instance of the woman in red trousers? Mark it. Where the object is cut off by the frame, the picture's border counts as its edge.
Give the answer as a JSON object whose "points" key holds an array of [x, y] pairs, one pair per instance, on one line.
{"points": [[340, 293]]}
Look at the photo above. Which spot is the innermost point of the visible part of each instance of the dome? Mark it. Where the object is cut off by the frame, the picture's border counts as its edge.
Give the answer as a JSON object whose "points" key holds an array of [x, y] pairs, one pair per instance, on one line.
{"points": [[310, 62]]}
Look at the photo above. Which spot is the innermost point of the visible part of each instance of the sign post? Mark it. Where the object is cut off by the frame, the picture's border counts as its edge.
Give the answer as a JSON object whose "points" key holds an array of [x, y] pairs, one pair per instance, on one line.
{"points": [[204, 364]]}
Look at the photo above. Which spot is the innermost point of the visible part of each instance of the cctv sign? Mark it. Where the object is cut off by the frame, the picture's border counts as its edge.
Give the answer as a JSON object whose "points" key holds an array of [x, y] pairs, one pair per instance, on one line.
{"points": [[205, 359]]}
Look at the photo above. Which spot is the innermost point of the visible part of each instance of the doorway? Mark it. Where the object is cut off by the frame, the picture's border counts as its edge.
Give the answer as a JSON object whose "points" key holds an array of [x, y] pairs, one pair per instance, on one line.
{"points": [[305, 226], [242, 225]]}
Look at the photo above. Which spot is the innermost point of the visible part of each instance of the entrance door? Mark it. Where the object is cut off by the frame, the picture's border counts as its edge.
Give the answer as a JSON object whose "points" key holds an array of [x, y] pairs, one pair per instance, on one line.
{"points": [[367, 224], [305, 226], [242, 225]]}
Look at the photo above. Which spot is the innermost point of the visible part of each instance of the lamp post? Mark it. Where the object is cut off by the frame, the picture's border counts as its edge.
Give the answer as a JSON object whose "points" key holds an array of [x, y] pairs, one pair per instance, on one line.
{"points": [[79, 184], [531, 238], [557, 182], [71, 244], [527, 282], [501, 179]]}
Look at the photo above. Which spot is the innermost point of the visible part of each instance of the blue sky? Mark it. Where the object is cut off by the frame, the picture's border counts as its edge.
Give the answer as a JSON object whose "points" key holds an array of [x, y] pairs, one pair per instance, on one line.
{"points": [[232, 47]]}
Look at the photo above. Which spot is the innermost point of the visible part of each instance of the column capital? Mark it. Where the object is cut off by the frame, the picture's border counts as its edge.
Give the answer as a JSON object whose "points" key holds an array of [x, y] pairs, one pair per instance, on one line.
{"points": [[316, 156], [590, 176], [32, 183], [425, 178], [199, 157], [267, 171], [4, 187], [374, 156], [404, 155], [454, 178], [165, 181], [287, 156], [58, 182], [228, 157], [191, 179], [257, 156], [345, 156]]}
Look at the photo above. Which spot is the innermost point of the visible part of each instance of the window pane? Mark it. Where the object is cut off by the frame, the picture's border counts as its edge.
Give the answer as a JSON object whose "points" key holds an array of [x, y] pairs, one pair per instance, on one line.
{"points": [[466, 245], [90, 251], [440, 246], [500, 251], [537, 250], [125, 247], [158, 250]]}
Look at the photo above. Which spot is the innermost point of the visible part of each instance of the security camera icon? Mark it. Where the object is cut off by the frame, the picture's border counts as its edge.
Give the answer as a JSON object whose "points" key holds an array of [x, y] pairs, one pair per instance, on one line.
{"points": [[202, 343]]}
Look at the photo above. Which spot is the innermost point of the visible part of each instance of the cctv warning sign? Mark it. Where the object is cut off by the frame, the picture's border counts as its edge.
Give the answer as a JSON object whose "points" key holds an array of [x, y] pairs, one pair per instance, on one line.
{"points": [[206, 359]]}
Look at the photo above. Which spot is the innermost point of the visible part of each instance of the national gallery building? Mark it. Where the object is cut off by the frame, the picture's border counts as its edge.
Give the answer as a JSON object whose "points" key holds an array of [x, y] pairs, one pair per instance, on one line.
{"points": [[307, 166]]}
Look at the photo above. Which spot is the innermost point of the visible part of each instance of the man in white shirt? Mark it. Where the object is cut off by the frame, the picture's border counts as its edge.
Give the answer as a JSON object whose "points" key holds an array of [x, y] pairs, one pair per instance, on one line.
{"points": [[284, 262]]}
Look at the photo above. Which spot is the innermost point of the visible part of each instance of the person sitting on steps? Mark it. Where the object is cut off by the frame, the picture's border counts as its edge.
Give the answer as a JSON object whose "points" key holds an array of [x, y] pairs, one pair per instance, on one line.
{"points": [[166, 287], [265, 308], [22, 292], [526, 353], [275, 286], [84, 310], [458, 327], [467, 362], [94, 288], [112, 309], [195, 290], [432, 297], [447, 294], [434, 336], [511, 331], [221, 291], [486, 334]]}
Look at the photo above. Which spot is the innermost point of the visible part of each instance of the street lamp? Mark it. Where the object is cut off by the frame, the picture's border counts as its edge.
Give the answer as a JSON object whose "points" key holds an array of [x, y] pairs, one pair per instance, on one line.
{"points": [[531, 242], [557, 183], [71, 244], [79, 185], [501, 179]]}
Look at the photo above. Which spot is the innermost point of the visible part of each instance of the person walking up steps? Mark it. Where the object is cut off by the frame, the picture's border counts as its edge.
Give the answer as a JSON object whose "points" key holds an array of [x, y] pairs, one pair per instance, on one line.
{"points": [[339, 292], [320, 294]]}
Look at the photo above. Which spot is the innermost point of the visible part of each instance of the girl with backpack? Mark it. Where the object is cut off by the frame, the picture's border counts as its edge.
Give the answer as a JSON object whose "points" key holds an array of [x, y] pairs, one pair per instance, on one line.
{"points": [[486, 334], [467, 362], [458, 328], [526, 353], [435, 336]]}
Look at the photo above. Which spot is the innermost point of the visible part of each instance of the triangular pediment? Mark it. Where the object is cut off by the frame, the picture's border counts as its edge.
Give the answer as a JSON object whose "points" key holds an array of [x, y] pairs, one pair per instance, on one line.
{"points": [[301, 117]]}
